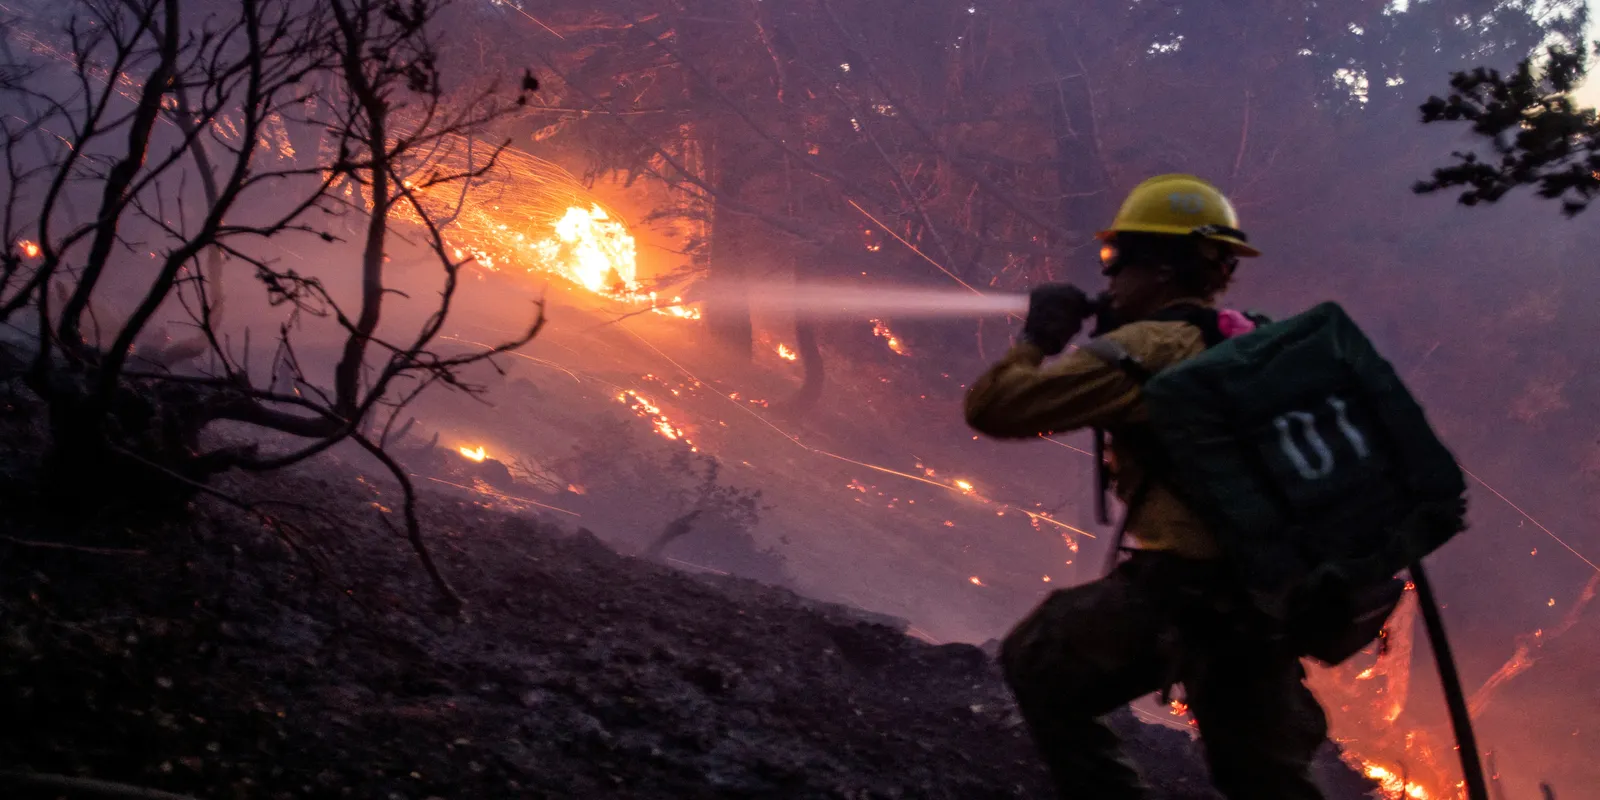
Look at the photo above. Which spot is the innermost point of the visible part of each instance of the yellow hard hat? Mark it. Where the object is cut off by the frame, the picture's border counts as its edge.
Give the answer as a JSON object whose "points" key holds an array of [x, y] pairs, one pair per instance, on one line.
{"points": [[1180, 205]]}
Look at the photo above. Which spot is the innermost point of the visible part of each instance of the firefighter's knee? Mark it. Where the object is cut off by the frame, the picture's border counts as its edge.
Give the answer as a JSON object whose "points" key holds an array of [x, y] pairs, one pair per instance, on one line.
{"points": [[1042, 665], [1032, 668], [1012, 661]]}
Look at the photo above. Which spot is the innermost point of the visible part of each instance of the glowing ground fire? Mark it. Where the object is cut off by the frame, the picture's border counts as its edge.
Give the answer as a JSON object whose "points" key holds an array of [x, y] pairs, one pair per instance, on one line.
{"points": [[642, 406], [473, 453]]}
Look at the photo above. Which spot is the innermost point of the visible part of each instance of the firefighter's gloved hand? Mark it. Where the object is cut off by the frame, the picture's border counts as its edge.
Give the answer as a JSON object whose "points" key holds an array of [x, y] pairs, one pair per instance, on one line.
{"points": [[1056, 312], [1105, 319]]}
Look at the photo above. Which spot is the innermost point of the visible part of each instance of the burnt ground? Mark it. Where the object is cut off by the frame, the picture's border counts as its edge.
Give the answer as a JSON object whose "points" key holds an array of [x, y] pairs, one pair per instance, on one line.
{"points": [[205, 657]]}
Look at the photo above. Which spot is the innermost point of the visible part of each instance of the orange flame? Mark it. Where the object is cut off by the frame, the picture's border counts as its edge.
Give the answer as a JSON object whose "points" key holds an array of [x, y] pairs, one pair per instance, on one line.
{"points": [[1393, 785], [534, 216], [785, 353], [473, 453], [29, 249], [676, 309]]}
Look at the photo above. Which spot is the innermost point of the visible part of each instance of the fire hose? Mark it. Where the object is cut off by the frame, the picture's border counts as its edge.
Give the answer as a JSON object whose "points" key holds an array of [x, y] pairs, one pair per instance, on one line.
{"points": [[1460, 718]]}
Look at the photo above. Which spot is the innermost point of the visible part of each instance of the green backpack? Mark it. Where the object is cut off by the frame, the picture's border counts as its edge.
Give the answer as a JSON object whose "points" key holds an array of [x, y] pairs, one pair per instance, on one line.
{"points": [[1312, 463]]}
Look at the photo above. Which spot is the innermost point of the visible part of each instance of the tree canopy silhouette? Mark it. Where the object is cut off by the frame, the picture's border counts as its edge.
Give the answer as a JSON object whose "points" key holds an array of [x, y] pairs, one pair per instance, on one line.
{"points": [[1537, 134]]}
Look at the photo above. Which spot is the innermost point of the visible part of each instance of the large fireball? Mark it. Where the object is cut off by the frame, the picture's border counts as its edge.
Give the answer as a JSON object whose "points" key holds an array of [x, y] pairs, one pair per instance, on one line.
{"points": [[594, 250]]}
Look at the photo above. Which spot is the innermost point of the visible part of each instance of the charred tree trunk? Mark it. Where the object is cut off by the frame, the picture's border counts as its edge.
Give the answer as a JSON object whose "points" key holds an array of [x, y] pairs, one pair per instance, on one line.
{"points": [[815, 375], [727, 312]]}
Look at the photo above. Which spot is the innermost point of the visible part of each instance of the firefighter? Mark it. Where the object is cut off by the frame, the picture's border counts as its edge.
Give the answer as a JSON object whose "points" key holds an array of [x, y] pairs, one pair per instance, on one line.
{"points": [[1167, 614]]}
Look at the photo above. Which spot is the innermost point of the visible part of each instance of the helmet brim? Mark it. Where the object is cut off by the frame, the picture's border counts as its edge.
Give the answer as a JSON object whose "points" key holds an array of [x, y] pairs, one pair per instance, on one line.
{"points": [[1239, 247]]}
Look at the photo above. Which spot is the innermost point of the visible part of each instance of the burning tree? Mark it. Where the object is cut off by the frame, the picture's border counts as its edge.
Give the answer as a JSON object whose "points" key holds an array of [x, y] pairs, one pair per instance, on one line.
{"points": [[203, 137]]}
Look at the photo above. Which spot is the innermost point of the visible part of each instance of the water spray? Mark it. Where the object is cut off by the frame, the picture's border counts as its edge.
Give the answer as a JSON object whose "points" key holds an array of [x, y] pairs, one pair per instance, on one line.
{"points": [[843, 301]]}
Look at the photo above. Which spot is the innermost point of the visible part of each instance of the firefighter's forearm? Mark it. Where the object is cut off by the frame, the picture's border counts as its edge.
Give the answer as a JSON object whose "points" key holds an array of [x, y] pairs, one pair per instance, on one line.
{"points": [[994, 405], [1019, 397]]}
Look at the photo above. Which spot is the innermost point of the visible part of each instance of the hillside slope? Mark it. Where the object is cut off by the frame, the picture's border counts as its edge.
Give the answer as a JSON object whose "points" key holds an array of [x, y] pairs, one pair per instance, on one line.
{"points": [[206, 658]]}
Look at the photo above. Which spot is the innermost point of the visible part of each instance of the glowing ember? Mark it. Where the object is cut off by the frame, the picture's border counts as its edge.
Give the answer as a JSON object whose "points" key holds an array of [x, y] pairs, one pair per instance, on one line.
{"points": [[785, 353], [975, 581], [642, 406], [473, 453], [29, 249], [1177, 707], [882, 330], [965, 486]]}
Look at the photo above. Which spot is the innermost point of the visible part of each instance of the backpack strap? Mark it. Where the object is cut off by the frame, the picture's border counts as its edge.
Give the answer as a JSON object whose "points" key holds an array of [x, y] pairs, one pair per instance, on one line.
{"points": [[1202, 317], [1112, 352]]}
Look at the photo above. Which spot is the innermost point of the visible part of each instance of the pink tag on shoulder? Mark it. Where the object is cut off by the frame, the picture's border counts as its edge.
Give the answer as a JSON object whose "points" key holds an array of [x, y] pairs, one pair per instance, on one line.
{"points": [[1232, 323]]}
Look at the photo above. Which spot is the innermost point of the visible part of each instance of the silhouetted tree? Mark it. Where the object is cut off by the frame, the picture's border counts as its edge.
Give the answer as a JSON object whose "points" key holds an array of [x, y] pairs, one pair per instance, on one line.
{"points": [[136, 99], [1537, 134]]}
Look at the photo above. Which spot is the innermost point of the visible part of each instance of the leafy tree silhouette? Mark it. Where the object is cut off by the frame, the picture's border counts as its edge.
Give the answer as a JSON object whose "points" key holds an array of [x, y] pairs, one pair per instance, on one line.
{"points": [[1537, 134]]}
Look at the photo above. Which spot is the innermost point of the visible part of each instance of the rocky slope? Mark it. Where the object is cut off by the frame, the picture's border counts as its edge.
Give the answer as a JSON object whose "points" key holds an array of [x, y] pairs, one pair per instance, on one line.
{"points": [[206, 657]]}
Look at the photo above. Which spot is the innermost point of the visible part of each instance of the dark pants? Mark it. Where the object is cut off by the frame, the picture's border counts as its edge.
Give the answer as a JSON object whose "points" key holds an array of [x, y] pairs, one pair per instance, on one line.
{"points": [[1154, 621]]}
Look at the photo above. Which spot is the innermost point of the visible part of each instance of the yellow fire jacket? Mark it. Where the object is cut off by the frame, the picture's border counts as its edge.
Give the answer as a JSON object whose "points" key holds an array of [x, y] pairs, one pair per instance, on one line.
{"points": [[1021, 397]]}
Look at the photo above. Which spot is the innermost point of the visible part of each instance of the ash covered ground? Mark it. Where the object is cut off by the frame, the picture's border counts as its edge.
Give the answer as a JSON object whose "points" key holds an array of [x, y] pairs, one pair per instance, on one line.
{"points": [[209, 658]]}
